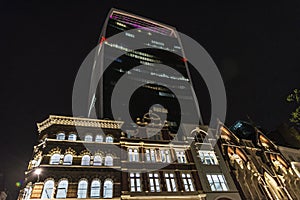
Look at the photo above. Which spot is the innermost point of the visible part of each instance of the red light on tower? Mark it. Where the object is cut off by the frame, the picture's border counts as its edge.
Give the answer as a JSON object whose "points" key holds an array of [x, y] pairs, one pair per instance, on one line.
{"points": [[184, 59], [102, 39]]}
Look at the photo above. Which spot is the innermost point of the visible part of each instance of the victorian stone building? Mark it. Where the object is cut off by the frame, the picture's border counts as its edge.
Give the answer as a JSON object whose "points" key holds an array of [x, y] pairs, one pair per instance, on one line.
{"points": [[260, 169], [88, 158]]}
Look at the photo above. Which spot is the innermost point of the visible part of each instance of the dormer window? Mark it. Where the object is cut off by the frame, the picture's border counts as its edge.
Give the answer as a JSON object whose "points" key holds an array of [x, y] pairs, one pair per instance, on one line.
{"points": [[72, 137], [109, 139], [60, 136], [88, 138]]}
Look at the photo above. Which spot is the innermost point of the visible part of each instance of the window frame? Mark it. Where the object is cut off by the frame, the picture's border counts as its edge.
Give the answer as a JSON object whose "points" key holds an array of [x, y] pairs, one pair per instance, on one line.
{"points": [[208, 157], [44, 189], [181, 156], [72, 137], [211, 178], [170, 179], [86, 162], [135, 182], [154, 182], [101, 160], [107, 162], [51, 162], [99, 138], [188, 183], [95, 189], [109, 139], [60, 187], [66, 156], [84, 189], [105, 189], [88, 138], [60, 136]]}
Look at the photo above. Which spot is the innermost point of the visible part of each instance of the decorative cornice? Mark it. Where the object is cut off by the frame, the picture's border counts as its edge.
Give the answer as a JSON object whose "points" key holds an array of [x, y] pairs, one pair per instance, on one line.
{"points": [[76, 121]]}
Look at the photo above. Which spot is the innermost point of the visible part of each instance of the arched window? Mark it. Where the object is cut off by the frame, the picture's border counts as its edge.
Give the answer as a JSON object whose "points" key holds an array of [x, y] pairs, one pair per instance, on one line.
{"points": [[95, 189], [109, 139], [133, 155], [62, 189], [99, 138], [68, 159], [48, 189], [97, 160], [55, 158], [60, 136], [109, 161], [108, 189], [82, 189], [27, 193], [88, 138], [85, 160], [72, 137]]}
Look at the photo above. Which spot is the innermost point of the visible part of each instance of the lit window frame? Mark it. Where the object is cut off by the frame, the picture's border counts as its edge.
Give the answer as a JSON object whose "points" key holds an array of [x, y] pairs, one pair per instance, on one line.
{"points": [[154, 182], [170, 180], [208, 157], [187, 180], [135, 182], [217, 182]]}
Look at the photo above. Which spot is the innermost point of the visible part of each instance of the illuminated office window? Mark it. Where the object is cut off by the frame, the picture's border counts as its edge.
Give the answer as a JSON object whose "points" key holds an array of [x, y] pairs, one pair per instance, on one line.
{"points": [[82, 189], [88, 138], [154, 182], [165, 156], [180, 156], [97, 160], [208, 157], [85, 160], [72, 137], [60, 136], [48, 189], [133, 155], [108, 189], [68, 159], [55, 158], [187, 182], [62, 189], [95, 189], [108, 161], [99, 138], [135, 182], [170, 182], [217, 182]]}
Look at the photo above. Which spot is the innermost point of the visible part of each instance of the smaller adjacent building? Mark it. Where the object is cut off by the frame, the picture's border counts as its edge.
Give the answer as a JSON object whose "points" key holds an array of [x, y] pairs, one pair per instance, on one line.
{"points": [[260, 169]]}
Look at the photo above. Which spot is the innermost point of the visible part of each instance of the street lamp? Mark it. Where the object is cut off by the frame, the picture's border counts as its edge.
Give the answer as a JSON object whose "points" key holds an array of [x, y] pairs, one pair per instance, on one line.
{"points": [[38, 171]]}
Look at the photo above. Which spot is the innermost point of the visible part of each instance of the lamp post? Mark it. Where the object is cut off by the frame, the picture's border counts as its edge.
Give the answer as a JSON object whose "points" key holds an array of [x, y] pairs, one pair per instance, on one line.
{"points": [[38, 171]]}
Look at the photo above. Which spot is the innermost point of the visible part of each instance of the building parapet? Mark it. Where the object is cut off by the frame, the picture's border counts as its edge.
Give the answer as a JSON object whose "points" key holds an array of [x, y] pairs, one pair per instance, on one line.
{"points": [[76, 121]]}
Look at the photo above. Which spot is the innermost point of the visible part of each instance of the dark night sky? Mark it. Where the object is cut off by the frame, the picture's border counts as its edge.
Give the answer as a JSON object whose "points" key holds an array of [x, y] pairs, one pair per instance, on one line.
{"points": [[255, 46]]}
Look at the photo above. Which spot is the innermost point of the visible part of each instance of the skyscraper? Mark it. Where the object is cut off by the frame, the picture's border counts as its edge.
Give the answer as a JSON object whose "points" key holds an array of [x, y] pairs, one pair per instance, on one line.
{"points": [[160, 45]]}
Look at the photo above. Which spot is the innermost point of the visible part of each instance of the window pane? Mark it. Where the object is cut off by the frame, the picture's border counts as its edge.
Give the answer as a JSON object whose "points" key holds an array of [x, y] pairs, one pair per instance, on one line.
{"points": [[108, 189], [97, 160], [55, 158], [48, 189], [62, 189], [68, 159], [82, 189], [168, 185], [88, 138], [85, 160], [72, 137], [99, 138]]}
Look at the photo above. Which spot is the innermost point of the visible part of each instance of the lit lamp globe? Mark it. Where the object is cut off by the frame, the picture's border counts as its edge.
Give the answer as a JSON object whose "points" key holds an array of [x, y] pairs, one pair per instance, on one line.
{"points": [[38, 172]]}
